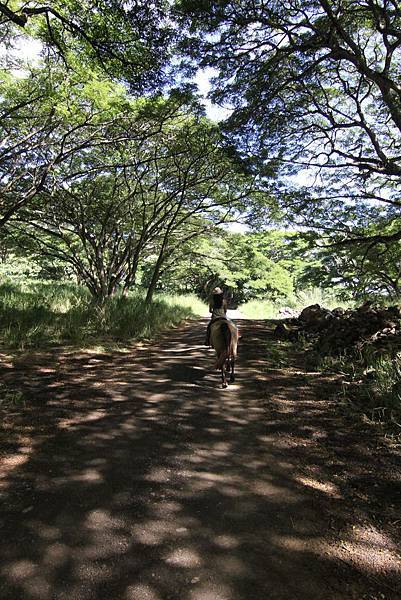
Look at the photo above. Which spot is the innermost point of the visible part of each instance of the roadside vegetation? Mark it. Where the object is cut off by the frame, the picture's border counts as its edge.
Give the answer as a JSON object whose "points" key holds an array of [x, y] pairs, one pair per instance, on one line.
{"points": [[361, 346], [293, 305], [38, 314], [370, 384]]}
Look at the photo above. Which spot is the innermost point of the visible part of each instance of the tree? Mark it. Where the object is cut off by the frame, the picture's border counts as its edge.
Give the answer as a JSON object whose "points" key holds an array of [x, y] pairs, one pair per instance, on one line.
{"points": [[359, 270], [45, 121], [207, 187], [126, 40], [314, 85], [40, 125], [153, 178], [250, 266]]}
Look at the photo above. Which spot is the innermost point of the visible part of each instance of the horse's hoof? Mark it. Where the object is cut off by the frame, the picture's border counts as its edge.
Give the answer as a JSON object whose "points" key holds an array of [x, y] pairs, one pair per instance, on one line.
{"points": [[232, 378], [224, 385]]}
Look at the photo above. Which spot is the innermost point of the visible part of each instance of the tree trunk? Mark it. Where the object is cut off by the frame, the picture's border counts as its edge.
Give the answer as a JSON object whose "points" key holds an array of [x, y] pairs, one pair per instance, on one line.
{"points": [[154, 280], [156, 274]]}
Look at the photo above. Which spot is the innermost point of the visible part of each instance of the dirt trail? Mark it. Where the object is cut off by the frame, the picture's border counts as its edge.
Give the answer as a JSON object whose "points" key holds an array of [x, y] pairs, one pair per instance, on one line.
{"points": [[132, 476]]}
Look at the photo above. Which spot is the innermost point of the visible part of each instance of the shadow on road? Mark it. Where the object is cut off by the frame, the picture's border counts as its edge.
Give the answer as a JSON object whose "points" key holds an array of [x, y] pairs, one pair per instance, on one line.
{"points": [[134, 476]]}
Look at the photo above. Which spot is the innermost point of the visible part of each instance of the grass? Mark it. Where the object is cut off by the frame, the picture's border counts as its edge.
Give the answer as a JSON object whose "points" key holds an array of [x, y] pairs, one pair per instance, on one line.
{"points": [[371, 380], [376, 390], [269, 309], [35, 314], [371, 375], [188, 301], [260, 309]]}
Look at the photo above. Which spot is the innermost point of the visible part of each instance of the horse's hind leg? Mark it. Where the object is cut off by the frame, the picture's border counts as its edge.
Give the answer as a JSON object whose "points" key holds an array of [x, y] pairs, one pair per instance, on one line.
{"points": [[232, 374], [223, 377]]}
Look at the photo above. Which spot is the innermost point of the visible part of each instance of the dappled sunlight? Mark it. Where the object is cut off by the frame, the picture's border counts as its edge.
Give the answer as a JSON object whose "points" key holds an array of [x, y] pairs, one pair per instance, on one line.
{"points": [[211, 592], [147, 481], [184, 557], [12, 462], [141, 592], [357, 544], [322, 486]]}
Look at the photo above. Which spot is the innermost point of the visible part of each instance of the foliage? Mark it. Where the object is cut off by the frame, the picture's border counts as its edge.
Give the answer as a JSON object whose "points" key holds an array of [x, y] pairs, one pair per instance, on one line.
{"points": [[261, 309], [250, 265], [38, 314], [327, 298], [18, 268], [191, 302], [121, 179], [121, 189], [268, 309], [126, 40], [365, 270], [371, 382], [89, 55], [47, 119], [315, 90], [386, 385]]}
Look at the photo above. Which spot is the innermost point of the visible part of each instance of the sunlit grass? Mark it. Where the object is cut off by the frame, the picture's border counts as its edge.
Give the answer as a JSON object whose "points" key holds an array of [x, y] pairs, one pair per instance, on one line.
{"points": [[260, 309], [189, 301], [386, 385], [39, 314], [269, 309], [325, 298]]}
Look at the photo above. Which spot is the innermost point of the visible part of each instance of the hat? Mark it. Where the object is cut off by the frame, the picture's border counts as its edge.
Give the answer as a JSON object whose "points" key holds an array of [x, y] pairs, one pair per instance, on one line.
{"points": [[217, 290]]}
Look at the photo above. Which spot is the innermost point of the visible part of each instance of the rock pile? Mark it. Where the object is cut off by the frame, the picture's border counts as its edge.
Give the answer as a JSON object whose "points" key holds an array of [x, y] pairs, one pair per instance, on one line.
{"points": [[287, 313], [339, 330]]}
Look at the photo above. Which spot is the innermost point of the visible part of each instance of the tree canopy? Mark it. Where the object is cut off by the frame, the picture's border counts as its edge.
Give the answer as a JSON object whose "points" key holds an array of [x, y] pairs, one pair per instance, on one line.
{"points": [[108, 163], [126, 40], [314, 87]]}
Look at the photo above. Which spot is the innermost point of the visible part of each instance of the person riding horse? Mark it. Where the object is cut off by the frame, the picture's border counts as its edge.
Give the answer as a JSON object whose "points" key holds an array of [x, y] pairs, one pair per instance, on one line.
{"points": [[218, 308], [222, 334]]}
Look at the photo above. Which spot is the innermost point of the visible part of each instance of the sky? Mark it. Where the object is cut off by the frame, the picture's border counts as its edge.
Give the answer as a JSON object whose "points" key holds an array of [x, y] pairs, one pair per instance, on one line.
{"points": [[213, 111]]}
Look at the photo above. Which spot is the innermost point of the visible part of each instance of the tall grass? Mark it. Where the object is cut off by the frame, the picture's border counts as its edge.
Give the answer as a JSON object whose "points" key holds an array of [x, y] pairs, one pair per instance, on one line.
{"points": [[39, 314], [188, 301], [371, 380], [386, 382], [269, 309], [260, 309], [325, 298]]}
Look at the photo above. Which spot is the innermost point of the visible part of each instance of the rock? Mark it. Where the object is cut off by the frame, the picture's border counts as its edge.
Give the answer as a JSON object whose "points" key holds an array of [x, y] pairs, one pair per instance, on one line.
{"points": [[394, 311], [310, 312], [366, 306], [281, 331], [338, 330], [315, 315], [287, 313]]}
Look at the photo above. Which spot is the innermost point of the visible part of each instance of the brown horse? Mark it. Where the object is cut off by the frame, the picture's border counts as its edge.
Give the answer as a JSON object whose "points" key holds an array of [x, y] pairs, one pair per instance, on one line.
{"points": [[224, 339]]}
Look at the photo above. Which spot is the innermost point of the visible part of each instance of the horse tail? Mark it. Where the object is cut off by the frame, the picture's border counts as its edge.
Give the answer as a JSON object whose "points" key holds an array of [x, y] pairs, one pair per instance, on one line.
{"points": [[226, 333]]}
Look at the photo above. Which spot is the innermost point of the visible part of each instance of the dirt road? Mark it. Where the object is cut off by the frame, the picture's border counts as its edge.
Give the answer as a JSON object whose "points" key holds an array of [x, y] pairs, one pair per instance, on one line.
{"points": [[133, 476]]}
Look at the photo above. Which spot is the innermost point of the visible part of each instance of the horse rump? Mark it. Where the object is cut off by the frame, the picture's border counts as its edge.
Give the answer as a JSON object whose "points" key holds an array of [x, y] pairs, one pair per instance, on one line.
{"points": [[227, 345]]}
